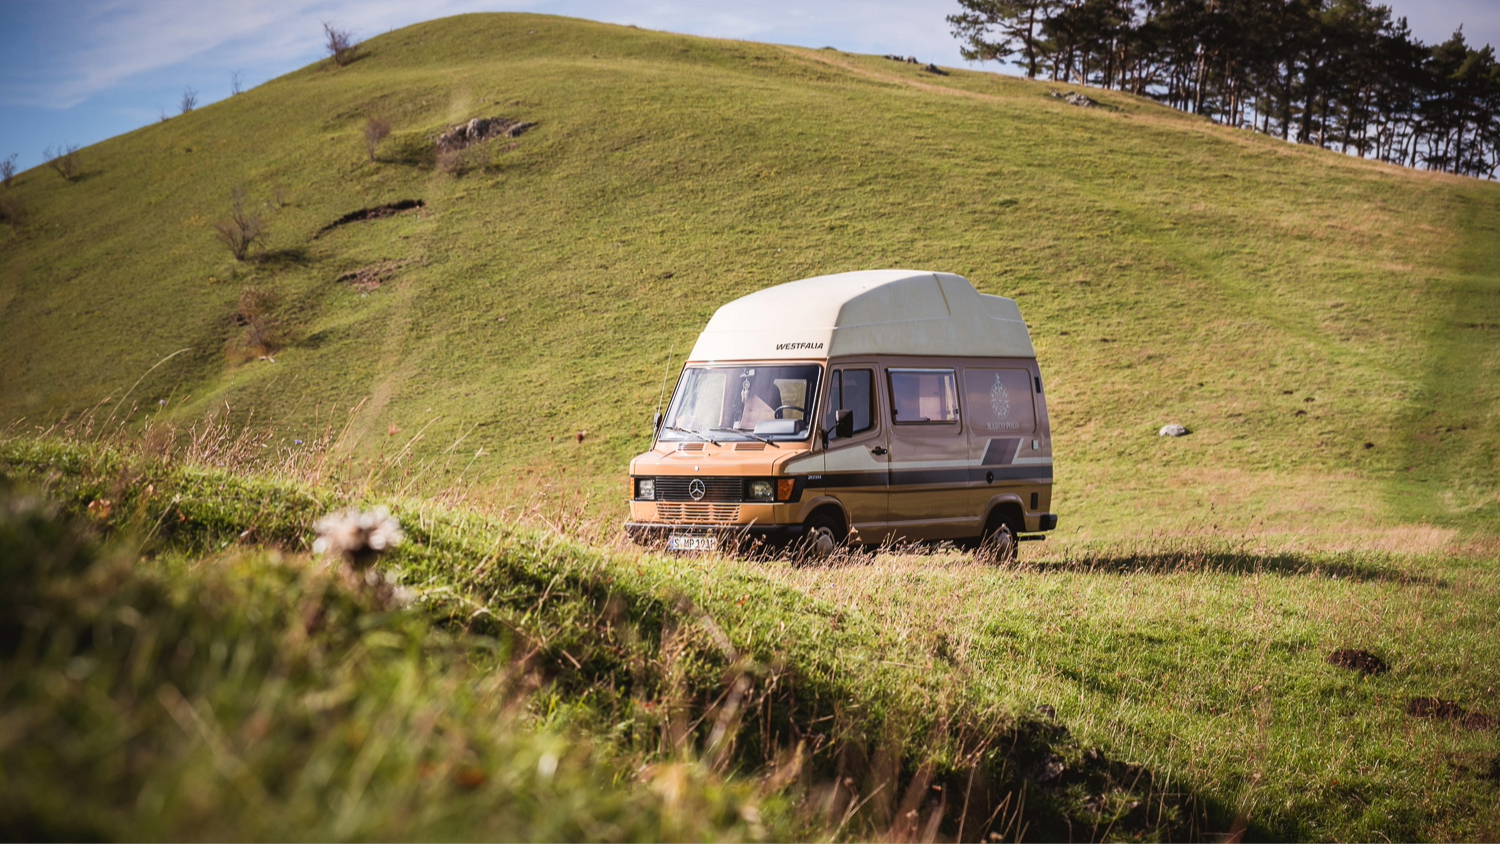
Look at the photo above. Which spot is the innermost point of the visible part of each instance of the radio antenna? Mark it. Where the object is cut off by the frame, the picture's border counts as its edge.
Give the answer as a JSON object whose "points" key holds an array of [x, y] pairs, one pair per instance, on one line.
{"points": [[666, 369]]}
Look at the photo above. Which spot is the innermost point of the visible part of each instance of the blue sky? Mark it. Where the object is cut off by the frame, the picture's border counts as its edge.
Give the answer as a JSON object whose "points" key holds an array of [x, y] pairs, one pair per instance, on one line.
{"points": [[80, 71]]}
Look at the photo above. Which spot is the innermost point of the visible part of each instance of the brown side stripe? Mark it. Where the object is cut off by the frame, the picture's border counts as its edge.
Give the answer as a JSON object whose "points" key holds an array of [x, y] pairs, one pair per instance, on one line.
{"points": [[1001, 452]]}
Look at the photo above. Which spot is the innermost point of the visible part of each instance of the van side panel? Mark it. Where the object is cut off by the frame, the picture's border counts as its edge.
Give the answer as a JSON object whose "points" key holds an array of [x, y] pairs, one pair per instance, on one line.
{"points": [[1008, 438]]}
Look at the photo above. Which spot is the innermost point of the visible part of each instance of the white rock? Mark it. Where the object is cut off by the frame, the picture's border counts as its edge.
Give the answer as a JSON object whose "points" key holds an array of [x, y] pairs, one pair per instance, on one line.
{"points": [[1172, 431]]}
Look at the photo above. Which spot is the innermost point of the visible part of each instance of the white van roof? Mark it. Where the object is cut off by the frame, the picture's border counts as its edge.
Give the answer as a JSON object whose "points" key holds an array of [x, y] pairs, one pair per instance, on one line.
{"points": [[893, 312]]}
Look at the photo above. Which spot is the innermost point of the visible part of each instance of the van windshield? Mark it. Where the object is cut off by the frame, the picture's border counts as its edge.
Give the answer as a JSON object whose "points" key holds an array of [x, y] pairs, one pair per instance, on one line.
{"points": [[749, 402]]}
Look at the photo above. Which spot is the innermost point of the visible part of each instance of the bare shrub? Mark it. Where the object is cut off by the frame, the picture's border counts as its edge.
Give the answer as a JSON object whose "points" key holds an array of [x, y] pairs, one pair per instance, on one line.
{"points": [[236, 85], [12, 213], [188, 102], [456, 162], [340, 44], [64, 160], [8, 170], [257, 316], [376, 130], [242, 230]]}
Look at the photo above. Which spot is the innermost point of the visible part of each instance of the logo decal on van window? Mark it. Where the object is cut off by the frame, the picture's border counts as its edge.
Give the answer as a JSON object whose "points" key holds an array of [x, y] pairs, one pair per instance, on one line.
{"points": [[999, 399], [783, 347]]}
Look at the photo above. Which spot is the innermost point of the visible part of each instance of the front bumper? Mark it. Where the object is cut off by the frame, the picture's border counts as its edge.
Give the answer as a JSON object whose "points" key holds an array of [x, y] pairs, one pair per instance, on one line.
{"points": [[656, 533]]}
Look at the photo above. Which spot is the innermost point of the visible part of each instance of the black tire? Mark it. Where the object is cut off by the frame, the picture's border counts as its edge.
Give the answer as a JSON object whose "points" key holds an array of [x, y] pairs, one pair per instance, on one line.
{"points": [[999, 546], [822, 537]]}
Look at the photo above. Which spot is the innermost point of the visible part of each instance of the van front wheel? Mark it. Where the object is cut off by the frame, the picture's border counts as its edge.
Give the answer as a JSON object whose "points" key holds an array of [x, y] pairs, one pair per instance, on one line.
{"points": [[821, 538]]}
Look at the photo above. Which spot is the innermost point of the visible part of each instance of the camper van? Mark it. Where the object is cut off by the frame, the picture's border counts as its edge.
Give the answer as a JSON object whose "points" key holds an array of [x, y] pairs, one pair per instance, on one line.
{"points": [[859, 408]]}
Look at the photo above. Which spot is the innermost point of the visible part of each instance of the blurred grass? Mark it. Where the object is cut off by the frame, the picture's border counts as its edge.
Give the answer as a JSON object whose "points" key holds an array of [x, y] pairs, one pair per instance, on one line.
{"points": [[1288, 305], [1180, 683], [718, 702]]}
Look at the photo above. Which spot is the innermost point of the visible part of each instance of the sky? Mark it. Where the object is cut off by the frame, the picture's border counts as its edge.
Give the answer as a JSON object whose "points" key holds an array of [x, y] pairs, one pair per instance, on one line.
{"points": [[80, 71]]}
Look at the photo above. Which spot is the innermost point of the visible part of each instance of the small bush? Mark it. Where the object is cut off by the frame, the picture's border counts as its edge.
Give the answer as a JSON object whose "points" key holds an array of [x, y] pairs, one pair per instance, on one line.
{"points": [[236, 85], [376, 130], [242, 230], [12, 213], [340, 44], [262, 330], [64, 160], [188, 102], [8, 170]]}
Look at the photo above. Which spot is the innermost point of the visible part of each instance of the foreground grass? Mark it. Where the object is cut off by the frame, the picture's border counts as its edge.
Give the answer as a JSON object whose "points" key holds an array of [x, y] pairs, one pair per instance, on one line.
{"points": [[891, 695], [1288, 305], [769, 709], [251, 695]]}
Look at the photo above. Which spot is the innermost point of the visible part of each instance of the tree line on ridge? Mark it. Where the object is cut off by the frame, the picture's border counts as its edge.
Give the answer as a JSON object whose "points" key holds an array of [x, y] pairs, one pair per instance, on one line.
{"points": [[1340, 74]]}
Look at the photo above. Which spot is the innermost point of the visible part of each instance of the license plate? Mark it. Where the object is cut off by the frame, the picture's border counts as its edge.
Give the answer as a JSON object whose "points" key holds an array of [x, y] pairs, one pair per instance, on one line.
{"points": [[685, 542]]}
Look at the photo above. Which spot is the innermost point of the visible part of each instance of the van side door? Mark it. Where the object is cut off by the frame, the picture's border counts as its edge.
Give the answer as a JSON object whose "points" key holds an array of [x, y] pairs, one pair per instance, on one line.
{"points": [[855, 467], [929, 454]]}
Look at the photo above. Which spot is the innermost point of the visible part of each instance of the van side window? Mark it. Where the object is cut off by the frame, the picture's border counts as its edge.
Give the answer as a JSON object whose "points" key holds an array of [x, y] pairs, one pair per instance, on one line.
{"points": [[1000, 401], [924, 396], [854, 390]]}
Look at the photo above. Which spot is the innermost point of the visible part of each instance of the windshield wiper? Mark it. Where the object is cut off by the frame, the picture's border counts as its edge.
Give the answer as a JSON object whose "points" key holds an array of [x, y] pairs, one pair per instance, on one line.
{"points": [[749, 434], [690, 433]]}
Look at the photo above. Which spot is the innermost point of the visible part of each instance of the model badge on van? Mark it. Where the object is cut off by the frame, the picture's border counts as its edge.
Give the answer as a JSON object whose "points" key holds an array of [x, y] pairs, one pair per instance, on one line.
{"points": [[782, 347]]}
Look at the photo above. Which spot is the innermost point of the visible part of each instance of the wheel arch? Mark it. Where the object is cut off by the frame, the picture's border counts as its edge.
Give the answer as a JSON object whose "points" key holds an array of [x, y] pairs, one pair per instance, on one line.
{"points": [[1006, 508]]}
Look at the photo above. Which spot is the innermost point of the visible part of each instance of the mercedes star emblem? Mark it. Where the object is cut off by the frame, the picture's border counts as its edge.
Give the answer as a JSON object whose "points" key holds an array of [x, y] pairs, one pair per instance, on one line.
{"points": [[696, 489]]}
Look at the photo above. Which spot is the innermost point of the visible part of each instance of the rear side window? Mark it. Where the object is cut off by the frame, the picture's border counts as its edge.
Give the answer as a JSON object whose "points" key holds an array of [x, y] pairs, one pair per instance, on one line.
{"points": [[927, 396], [854, 390], [999, 401]]}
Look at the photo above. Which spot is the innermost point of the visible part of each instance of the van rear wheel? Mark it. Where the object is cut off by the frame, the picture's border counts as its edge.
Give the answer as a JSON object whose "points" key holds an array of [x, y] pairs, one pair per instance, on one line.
{"points": [[998, 547]]}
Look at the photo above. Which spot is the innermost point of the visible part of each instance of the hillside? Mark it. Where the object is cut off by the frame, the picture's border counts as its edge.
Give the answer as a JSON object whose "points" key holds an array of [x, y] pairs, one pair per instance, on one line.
{"points": [[1325, 326]]}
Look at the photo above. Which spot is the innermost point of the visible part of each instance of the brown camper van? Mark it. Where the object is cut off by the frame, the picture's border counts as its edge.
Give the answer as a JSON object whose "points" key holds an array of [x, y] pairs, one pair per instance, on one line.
{"points": [[860, 407]]}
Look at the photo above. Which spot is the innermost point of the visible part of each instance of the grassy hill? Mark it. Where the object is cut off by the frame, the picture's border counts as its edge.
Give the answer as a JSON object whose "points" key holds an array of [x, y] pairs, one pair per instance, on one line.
{"points": [[1324, 325]]}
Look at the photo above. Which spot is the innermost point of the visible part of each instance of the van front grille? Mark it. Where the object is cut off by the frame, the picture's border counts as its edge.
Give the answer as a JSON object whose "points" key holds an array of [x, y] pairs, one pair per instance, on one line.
{"points": [[698, 514], [677, 488]]}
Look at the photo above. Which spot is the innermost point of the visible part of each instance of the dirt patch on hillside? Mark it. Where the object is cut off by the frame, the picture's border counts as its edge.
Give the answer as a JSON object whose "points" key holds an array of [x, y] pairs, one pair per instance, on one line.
{"points": [[1362, 661], [368, 279], [479, 130], [389, 209], [1447, 710]]}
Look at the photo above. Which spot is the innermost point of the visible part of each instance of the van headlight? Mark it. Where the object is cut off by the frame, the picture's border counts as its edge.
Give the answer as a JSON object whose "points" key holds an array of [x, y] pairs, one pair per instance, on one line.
{"points": [[760, 489], [645, 489]]}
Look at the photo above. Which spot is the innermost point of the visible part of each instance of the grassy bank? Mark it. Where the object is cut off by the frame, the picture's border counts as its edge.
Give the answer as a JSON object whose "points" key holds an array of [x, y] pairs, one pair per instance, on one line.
{"points": [[1168, 691]]}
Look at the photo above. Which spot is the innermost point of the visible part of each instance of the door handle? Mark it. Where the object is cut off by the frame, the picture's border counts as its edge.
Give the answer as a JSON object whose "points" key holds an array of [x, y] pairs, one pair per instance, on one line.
{"points": [[878, 450]]}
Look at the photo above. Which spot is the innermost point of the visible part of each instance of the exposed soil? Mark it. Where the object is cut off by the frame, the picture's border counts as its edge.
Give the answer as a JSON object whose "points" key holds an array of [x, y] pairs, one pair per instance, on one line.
{"points": [[1447, 710], [389, 209], [1362, 661], [479, 130], [367, 279]]}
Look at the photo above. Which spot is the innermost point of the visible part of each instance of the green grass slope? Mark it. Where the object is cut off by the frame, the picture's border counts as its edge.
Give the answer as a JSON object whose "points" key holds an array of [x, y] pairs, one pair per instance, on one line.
{"points": [[206, 678], [1325, 326]]}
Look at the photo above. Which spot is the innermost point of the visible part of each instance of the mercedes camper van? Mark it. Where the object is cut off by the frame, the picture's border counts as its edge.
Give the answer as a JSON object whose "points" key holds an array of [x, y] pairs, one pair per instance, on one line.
{"points": [[862, 407]]}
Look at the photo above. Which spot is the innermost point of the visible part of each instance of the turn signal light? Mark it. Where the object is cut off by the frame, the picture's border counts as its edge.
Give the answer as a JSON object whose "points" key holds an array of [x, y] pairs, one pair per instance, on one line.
{"points": [[784, 488]]}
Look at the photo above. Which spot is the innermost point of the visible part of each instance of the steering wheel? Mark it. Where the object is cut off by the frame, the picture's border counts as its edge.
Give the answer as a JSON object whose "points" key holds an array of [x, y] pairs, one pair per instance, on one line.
{"points": [[777, 411]]}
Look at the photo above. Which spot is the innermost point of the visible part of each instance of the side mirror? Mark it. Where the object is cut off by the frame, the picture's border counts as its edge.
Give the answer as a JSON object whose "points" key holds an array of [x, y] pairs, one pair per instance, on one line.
{"points": [[843, 426], [843, 423], [656, 421]]}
